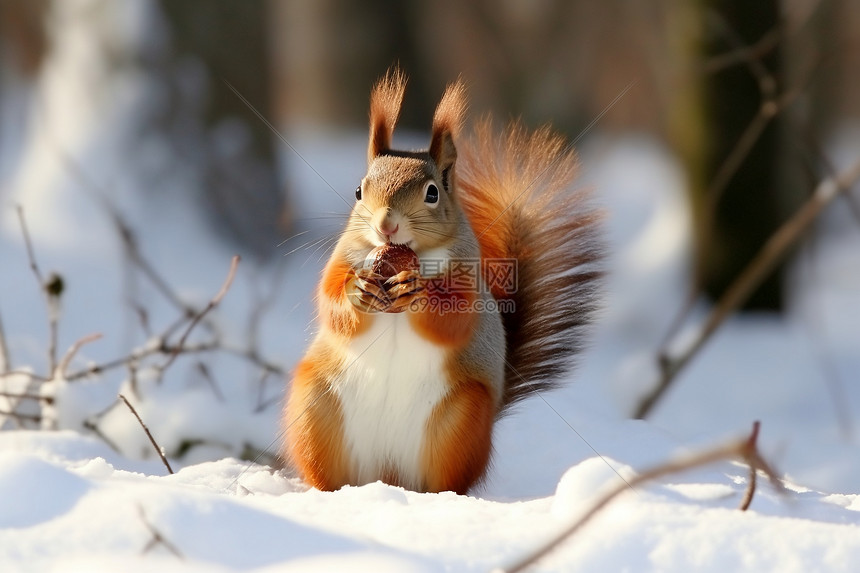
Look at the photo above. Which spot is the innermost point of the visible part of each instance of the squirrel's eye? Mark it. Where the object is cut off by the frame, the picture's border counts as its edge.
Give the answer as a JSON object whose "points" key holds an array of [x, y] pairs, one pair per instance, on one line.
{"points": [[358, 193], [431, 194]]}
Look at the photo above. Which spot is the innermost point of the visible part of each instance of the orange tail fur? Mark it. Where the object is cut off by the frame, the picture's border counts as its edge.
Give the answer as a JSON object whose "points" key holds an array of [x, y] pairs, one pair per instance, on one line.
{"points": [[516, 191]]}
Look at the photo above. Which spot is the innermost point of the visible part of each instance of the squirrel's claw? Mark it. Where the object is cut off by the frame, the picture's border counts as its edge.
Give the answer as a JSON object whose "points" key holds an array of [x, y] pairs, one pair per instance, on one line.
{"points": [[402, 289], [365, 291]]}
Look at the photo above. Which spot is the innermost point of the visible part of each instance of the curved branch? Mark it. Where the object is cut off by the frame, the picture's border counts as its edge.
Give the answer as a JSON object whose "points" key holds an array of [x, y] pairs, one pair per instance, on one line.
{"points": [[771, 254], [745, 449]]}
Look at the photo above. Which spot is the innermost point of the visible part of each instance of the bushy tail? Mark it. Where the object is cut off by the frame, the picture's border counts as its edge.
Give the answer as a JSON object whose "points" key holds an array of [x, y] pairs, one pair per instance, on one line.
{"points": [[516, 189]]}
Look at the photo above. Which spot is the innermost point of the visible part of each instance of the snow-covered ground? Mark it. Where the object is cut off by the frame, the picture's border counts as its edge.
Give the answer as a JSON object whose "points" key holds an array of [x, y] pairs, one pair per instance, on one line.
{"points": [[69, 501]]}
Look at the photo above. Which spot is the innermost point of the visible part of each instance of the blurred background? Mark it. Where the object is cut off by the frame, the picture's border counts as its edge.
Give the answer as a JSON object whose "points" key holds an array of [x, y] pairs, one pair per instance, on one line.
{"points": [[695, 75], [703, 126]]}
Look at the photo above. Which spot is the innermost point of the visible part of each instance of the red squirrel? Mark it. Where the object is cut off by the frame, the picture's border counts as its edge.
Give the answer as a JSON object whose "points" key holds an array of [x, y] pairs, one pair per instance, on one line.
{"points": [[408, 374]]}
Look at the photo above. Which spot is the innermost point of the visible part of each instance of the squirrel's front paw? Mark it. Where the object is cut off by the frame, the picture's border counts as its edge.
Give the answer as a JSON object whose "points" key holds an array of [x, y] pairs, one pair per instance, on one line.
{"points": [[402, 289], [365, 290]]}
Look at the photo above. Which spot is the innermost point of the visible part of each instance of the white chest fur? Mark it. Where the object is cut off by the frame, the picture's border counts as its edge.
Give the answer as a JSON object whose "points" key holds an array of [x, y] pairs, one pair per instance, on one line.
{"points": [[393, 380]]}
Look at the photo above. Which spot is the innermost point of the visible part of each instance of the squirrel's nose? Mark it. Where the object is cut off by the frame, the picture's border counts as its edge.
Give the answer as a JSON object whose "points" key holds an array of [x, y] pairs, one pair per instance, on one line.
{"points": [[385, 228]]}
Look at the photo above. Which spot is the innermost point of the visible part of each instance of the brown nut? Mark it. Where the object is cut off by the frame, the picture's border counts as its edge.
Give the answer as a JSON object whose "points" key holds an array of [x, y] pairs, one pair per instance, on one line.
{"points": [[389, 260]]}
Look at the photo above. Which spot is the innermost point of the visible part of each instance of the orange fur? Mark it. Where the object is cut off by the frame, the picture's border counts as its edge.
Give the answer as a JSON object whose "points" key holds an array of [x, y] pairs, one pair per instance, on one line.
{"points": [[516, 190], [385, 101], [439, 321], [339, 314], [314, 426], [447, 121], [457, 441]]}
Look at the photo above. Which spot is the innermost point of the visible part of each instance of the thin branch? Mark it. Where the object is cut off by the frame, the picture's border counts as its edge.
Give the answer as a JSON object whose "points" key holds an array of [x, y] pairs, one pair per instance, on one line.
{"points": [[148, 434], [142, 263], [132, 366], [773, 251], [34, 377], [262, 404], [211, 346], [73, 350], [750, 491], [31, 256], [745, 449], [263, 303], [772, 104], [740, 152], [744, 54], [93, 427], [234, 264], [126, 234], [204, 371], [766, 81], [25, 396], [5, 361], [157, 537], [143, 317], [25, 417], [50, 299]]}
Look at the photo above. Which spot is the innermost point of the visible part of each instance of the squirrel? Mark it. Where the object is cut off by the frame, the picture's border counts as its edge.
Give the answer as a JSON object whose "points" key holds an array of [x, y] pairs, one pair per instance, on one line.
{"points": [[408, 374]]}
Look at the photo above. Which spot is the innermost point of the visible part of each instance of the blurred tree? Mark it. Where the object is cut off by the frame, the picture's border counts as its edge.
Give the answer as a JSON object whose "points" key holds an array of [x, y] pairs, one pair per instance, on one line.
{"points": [[567, 61], [737, 157], [24, 46], [330, 52], [557, 61], [212, 42], [22, 34]]}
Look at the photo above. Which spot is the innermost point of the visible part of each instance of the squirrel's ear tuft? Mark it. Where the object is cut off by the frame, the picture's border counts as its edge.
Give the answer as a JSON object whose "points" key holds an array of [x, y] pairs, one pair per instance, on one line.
{"points": [[447, 122], [385, 101]]}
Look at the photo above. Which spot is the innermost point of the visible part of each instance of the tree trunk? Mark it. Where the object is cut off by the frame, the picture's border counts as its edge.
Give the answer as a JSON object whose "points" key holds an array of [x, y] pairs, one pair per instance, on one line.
{"points": [[219, 133], [737, 208]]}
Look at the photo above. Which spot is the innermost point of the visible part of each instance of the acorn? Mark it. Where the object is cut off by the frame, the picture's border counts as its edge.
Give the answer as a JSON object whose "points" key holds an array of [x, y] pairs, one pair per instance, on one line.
{"points": [[389, 260]]}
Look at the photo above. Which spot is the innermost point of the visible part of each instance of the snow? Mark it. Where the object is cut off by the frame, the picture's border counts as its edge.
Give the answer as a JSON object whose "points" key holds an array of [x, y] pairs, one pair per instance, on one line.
{"points": [[70, 502], [73, 510]]}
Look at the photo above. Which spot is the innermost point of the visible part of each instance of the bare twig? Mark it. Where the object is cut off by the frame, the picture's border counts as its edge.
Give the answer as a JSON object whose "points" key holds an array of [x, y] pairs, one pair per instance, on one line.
{"points": [[263, 303], [31, 256], [51, 300], [772, 105], [768, 110], [32, 375], [93, 427], [744, 54], [70, 353], [157, 537], [773, 251], [750, 491], [143, 317], [126, 234], [745, 449], [211, 346], [234, 263], [148, 434], [25, 417], [25, 396], [5, 362], [262, 403], [204, 371], [134, 253], [132, 366]]}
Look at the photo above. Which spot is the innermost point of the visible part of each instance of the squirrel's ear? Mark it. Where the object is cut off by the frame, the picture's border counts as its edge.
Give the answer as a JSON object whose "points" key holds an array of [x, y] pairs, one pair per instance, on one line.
{"points": [[447, 122], [385, 101]]}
